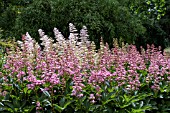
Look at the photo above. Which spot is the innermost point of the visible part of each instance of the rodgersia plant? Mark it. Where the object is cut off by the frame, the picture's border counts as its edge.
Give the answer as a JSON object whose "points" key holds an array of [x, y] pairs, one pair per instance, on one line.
{"points": [[71, 76]]}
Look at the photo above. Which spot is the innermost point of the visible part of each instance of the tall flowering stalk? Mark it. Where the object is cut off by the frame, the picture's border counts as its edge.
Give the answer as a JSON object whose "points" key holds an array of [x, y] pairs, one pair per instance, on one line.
{"points": [[73, 67], [75, 58]]}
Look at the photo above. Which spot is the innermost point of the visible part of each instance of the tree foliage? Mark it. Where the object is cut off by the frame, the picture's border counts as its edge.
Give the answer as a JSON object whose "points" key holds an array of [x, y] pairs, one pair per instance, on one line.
{"points": [[9, 10], [133, 21], [109, 19], [151, 13]]}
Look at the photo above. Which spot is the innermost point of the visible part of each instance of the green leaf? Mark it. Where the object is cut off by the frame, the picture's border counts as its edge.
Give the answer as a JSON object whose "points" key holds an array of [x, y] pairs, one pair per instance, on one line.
{"points": [[7, 96], [29, 91], [106, 102], [136, 92], [68, 103], [23, 103], [107, 98], [10, 110], [95, 107], [47, 102], [30, 110], [2, 109], [166, 109], [107, 83], [1, 80], [62, 101], [25, 90], [141, 104], [141, 110], [9, 104], [82, 99], [16, 103], [46, 93], [1, 104], [127, 99], [86, 104], [17, 86], [58, 108]]}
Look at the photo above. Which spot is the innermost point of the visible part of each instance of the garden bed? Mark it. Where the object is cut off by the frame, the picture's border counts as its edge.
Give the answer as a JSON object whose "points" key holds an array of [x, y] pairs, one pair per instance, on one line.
{"points": [[69, 76]]}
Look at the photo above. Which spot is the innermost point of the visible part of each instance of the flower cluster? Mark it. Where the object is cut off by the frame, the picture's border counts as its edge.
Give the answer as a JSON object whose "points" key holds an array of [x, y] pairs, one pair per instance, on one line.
{"points": [[76, 59]]}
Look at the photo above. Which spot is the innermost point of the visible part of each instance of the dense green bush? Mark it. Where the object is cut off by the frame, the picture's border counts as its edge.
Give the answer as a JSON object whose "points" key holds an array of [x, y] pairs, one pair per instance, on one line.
{"points": [[126, 20], [154, 17], [109, 19], [7, 21]]}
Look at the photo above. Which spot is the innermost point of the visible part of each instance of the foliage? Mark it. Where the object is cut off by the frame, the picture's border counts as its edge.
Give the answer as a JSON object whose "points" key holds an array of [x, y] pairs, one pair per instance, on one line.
{"points": [[7, 21], [113, 21], [165, 22], [70, 76], [139, 22], [37, 15], [153, 14], [6, 43], [9, 10]]}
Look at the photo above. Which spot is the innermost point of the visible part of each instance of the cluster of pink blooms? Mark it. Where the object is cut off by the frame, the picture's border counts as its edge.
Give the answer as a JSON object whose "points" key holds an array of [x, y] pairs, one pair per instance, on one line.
{"points": [[76, 59]]}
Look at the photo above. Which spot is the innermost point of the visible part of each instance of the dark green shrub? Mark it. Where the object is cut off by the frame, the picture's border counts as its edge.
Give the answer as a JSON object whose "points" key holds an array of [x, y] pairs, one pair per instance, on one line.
{"points": [[108, 19]]}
